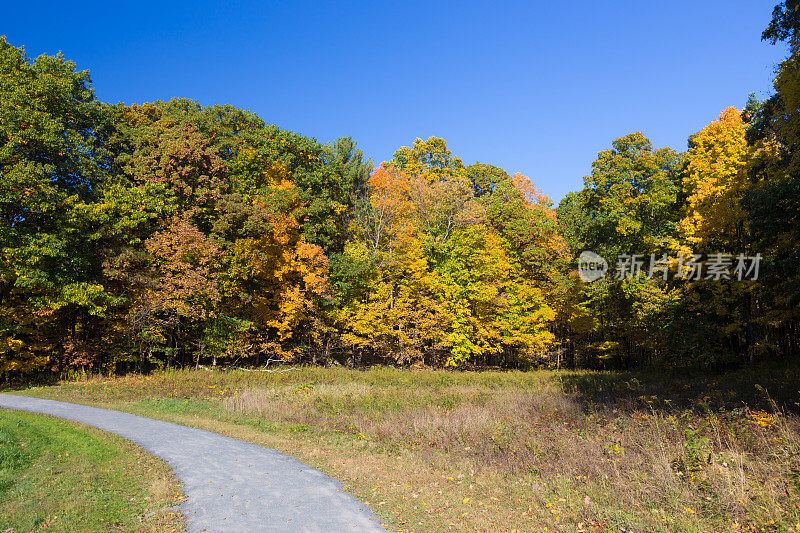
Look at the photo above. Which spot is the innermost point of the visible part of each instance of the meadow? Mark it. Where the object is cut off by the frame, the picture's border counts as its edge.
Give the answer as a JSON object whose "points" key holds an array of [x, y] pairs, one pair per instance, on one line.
{"points": [[508, 451], [147, 249]]}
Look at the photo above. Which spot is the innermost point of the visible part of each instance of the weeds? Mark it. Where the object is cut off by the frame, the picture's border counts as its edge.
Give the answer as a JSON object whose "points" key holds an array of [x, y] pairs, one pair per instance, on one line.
{"points": [[501, 451]]}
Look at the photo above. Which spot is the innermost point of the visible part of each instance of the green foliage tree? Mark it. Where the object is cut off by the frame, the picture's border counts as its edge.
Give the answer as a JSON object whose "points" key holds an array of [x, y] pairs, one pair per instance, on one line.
{"points": [[772, 199], [629, 205], [169, 233], [49, 287]]}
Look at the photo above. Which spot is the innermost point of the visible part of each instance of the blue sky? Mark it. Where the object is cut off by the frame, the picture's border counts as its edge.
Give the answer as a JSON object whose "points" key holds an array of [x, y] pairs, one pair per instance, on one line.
{"points": [[533, 87]]}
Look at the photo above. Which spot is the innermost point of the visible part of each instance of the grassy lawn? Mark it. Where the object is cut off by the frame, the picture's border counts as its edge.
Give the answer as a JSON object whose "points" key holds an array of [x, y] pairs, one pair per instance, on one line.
{"points": [[506, 451], [57, 475]]}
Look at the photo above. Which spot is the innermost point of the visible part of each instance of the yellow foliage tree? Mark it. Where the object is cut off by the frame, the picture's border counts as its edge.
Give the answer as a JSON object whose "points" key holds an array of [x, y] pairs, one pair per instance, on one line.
{"points": [[714, 182]]}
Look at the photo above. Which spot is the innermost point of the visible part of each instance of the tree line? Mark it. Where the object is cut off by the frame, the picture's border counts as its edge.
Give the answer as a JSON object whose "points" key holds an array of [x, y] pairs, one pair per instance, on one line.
{"points": [[172, 234]]}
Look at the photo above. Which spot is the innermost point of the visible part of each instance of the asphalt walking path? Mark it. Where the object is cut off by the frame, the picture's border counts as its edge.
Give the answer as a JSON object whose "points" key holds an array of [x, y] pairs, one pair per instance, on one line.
{"points": [[230, 485]]}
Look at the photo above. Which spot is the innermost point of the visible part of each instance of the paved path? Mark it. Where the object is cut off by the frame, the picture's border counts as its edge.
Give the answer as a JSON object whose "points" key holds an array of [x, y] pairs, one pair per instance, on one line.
{"points": [[230, 485]]}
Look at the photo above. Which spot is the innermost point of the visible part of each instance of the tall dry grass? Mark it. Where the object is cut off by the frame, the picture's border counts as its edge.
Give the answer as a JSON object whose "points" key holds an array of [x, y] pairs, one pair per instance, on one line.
{"points": [[495, 451], [730, 465]]}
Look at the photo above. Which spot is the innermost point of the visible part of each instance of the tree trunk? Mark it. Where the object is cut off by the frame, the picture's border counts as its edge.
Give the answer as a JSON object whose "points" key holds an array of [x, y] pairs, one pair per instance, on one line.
{"points": [[746, 314]]}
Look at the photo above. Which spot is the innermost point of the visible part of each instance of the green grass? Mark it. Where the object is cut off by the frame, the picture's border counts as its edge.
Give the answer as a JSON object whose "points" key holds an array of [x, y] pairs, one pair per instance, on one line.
{"points": [[504, 451], [57, 475]]}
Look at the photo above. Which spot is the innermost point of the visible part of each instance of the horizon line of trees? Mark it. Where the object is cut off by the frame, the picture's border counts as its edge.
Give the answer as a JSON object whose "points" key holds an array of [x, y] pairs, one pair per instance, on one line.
{"points": [[172, 234]]}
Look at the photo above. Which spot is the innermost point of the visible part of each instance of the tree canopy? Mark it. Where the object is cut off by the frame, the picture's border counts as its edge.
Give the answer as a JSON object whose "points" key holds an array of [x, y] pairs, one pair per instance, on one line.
{"points": [[169, 233]]}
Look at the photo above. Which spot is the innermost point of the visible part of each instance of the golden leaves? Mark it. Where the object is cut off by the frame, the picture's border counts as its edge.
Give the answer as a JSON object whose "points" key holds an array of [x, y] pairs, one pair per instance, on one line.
{"points": [[714, 182]]}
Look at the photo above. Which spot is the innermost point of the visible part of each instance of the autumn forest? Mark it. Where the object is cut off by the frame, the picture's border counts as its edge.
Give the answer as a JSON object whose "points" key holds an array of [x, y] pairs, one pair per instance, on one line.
{"points": [[169, 234]]}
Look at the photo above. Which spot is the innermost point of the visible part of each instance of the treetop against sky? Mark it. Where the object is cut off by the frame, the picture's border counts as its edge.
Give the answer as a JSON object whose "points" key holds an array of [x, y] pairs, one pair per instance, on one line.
{"points": [[533, 87], [134, 236]]}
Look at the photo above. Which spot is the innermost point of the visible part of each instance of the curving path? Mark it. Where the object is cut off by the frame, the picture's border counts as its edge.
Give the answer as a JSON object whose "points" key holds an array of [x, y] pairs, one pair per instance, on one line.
{"points": [[230, 485]]}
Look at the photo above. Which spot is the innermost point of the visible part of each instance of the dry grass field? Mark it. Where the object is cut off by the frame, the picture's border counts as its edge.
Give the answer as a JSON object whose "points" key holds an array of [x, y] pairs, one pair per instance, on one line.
{"points": [[508, 451]]}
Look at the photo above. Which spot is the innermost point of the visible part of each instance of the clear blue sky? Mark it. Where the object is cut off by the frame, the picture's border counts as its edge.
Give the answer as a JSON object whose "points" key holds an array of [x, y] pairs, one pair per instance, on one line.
{"points": [[533, 87]]}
